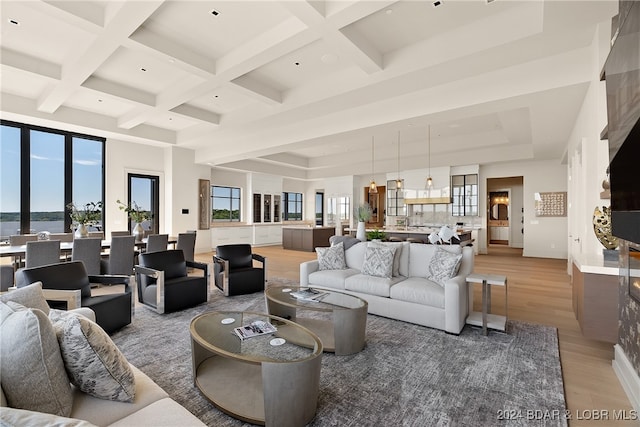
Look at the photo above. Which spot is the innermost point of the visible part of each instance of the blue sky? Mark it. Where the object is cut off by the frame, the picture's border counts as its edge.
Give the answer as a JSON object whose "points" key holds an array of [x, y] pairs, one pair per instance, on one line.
{"points": [[47, 170]]}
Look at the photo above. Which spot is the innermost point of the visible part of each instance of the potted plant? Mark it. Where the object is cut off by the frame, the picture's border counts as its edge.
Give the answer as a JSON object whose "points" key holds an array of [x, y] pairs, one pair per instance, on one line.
{"points": [[363, 214], [376, 235], [89, 214], [137, 215]]}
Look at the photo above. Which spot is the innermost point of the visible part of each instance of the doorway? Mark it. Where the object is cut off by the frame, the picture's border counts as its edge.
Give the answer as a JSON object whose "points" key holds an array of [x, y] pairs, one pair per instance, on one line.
{"points": [[144, 190], [505, 213]]}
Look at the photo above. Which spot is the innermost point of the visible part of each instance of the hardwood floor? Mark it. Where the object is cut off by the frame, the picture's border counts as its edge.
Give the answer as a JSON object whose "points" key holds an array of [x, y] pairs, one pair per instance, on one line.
{"points": [[539, 291]]}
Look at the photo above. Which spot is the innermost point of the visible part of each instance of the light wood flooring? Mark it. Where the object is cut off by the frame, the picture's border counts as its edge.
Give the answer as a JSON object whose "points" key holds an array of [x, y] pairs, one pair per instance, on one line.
{"points": [[539, 291]]}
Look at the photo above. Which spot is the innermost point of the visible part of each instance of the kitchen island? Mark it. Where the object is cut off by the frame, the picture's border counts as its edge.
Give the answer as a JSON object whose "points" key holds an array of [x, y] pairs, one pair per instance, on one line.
{"points": [[420, 233], [306, 238]]}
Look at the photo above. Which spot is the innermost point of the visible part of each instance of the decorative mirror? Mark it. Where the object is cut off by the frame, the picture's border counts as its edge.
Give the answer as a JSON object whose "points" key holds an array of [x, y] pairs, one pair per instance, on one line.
{"points": [[499, 202]]}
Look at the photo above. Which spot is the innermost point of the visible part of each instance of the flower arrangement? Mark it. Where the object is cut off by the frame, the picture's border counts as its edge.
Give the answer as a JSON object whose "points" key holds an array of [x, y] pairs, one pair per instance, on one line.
{"points": [[134, 211], [89, 214], [363, 212]]}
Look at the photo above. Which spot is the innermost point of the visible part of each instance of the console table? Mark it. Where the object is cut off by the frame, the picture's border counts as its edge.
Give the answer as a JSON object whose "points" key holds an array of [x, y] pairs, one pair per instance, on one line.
{"points": [[485, 318]]}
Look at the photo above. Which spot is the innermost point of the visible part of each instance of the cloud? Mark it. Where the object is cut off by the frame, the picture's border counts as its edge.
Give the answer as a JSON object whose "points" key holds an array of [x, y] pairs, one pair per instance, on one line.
{"points": [[87, 162]]}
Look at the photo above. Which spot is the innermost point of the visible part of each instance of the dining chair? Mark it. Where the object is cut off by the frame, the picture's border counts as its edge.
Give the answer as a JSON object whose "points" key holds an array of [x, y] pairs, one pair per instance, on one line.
{"points": [[6, 277], [88, 251], [157, 242], [187, 243], [20, 240], [121, 256], [99, 234], [63, 237], [120, 233], [42, 252]]}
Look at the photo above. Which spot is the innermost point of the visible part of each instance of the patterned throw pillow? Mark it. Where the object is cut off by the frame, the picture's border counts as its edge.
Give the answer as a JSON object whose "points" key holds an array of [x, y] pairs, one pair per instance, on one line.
{"points": [[94, 363], [443, 266], [378, 261], [331, 258], [32, 370], [396, 255]]}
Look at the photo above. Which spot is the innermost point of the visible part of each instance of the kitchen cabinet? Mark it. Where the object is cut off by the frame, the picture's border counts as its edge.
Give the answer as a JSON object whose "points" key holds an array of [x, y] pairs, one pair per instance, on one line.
{"points": [[499, 233], [306, 238]]}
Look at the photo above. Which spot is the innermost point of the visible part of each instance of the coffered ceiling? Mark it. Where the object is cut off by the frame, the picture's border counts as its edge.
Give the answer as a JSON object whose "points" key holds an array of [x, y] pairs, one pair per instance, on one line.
{"points": [[300, 88]]}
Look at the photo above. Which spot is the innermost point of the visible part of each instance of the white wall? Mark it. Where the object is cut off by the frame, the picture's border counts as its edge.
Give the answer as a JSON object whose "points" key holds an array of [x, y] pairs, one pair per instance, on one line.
{"points": [[588, 156], [122, 158]]}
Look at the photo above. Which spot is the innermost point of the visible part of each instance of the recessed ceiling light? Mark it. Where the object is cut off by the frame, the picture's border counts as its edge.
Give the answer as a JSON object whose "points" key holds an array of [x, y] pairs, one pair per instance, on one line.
{"points": [[13, 21], [99, 100], [297, 64], [436, 3], [143, 69], [170, 118], [216, 96], [214, 12]]}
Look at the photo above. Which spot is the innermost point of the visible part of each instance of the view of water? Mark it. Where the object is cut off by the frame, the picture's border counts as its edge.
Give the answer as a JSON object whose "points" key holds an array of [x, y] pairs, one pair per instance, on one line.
{"points": [[13, 227]]}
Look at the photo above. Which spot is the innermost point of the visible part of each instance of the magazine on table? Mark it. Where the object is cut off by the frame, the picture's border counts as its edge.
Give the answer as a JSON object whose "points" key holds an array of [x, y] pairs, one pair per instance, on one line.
{"points": [[308, 294], [254, 329]]}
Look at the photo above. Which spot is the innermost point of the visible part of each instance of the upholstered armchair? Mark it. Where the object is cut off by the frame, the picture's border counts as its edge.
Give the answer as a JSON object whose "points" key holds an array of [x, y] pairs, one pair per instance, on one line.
{"points": [[70, 282], [163, 282], [234, 272]]}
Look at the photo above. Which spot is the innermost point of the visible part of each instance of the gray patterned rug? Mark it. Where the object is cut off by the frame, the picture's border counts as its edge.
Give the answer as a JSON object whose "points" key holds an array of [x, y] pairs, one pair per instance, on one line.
{"points": [[407, 375]]}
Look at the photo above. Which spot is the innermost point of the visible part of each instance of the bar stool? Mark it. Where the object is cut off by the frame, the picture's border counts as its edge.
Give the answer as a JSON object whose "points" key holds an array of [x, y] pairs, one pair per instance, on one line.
{"points": [[414, 240]]}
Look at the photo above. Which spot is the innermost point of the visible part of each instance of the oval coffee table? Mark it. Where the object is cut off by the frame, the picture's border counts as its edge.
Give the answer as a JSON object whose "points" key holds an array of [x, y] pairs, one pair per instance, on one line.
{"points": [[339, 319], [252, 379]]}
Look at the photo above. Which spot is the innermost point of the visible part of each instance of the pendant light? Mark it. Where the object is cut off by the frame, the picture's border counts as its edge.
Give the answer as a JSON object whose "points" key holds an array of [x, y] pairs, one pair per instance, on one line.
{"points": [[373, 188], [429, 179], [398, 180]]}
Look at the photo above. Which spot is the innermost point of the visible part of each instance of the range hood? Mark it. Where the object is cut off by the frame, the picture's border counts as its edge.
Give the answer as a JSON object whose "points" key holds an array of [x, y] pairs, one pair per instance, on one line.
{"points": [[428, 201]]}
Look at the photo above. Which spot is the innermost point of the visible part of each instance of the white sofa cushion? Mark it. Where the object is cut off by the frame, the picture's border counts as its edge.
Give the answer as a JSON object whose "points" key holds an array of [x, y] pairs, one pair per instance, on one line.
{"points": [[355, 255], [331, 278], [31, 367], [371, 285], [331, 258], [163, 413], [105, 412], [378, 261], [443, 266], [420, 291], [94, 363], [21, 417]]}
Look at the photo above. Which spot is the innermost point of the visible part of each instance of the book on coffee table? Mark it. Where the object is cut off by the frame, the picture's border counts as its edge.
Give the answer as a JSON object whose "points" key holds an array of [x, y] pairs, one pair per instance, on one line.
{"points": [[308, 294], [254, 329]]}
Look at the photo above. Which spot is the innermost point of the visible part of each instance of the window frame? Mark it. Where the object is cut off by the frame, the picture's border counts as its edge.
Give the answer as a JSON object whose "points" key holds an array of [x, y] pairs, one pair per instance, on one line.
{"points": [[231, 199], [286, 214], [25, 170]]}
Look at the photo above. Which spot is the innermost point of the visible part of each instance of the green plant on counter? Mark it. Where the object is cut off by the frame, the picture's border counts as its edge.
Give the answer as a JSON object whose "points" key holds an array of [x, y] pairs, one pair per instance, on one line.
{"points": [[376, 234]]}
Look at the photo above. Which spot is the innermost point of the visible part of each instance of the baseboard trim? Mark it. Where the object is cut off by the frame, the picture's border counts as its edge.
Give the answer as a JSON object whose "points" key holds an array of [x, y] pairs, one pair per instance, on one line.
{"points": [[627, 376]]}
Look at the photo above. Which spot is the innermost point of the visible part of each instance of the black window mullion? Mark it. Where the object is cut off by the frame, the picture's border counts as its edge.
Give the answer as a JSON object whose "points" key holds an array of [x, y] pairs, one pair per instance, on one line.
{"points": [[68, 177], [25, 180]]}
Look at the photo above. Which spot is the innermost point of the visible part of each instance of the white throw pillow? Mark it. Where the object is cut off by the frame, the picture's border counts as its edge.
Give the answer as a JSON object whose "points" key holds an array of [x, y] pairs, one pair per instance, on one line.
{"points": [[20, 417], [443, 266], [378, 261], [396, 255], [94, 363], [30, 296], [331, 258], [31, 367]]}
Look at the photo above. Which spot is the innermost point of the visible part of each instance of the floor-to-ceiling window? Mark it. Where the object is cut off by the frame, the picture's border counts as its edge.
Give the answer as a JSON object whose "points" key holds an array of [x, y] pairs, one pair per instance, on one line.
{"points": [[43, 170]]}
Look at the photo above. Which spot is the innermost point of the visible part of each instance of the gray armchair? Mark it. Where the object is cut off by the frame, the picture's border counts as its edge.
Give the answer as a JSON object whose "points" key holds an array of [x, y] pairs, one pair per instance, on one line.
{"points": [[165, 286], [234, 273]]}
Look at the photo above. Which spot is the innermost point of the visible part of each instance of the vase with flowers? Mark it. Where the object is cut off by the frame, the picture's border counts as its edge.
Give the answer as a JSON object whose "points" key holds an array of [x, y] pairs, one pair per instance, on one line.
{"points": [[137, 215], [83, 216], [363, 214]]}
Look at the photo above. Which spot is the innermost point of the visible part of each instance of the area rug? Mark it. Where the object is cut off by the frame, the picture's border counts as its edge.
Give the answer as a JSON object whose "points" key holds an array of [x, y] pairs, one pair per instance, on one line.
{"points": [[407, 375]]}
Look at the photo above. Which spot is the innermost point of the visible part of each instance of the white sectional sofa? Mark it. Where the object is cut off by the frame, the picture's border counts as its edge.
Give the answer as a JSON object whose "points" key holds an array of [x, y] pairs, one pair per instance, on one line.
{"points": [[408, 296], [34, 381]]}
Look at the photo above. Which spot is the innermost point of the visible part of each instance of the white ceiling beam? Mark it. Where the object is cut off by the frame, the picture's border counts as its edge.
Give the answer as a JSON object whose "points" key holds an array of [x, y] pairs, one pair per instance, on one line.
{"points": [[29, 64], [127, 19], [126, 93], [197, 113], [257, 90], [59, 11]]}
